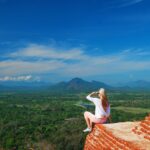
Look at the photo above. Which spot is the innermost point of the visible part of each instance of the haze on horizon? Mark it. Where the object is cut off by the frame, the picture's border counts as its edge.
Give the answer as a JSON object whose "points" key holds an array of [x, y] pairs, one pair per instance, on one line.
{"points": [[55, 40]]}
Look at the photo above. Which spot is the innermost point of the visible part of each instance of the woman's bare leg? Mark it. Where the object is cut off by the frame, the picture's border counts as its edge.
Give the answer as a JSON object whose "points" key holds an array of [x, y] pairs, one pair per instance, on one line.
{"points": [[90, 123], [90, 119], [87, 119]]}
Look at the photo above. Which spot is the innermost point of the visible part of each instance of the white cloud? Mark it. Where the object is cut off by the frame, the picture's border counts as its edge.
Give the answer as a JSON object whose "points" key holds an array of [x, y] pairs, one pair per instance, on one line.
{"points": [[17, 67], [88, 69], [124, 3], [41, 51], [130, 2], [71, 62], [17, 78]]}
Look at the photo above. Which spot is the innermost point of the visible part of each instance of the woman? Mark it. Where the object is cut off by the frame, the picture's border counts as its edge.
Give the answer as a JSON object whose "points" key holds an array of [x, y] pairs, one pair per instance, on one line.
{"points": [[102, 110]]}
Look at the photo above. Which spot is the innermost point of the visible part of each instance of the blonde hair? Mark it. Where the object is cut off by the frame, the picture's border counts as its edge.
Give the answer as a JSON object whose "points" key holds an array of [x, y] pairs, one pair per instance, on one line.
{"points": [[104, 98]]}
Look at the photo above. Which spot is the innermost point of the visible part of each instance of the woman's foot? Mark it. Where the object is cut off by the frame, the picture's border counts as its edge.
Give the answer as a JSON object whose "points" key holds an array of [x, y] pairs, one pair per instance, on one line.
{"points": [[87, 130]]}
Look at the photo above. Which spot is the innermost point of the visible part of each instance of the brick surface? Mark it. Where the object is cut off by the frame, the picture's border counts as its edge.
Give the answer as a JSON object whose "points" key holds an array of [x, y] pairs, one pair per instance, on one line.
{"points": [[118, 136]]}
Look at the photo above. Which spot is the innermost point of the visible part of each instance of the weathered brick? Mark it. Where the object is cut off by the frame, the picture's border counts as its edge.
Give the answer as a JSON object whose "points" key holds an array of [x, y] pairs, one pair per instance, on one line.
{"points": [[109, 137]]}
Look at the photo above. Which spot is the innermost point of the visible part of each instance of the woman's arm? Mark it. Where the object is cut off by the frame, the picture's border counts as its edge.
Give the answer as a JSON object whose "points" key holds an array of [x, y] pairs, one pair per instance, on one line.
{"points": [[91, 94], [89, 97]]}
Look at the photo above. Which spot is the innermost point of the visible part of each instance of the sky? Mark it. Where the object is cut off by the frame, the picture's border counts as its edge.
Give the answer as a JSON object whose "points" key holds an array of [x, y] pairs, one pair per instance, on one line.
{"points": [[56, 40]]}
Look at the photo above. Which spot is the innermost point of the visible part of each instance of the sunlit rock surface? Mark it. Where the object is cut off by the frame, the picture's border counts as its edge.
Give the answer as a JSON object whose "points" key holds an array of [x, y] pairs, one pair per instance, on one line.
{"points": [[117, 136]]}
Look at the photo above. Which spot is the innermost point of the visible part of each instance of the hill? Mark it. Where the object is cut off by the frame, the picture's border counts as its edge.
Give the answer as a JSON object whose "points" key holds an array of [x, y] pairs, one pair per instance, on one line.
{"points": [[139, 84], [23, 85], [79, 85]]}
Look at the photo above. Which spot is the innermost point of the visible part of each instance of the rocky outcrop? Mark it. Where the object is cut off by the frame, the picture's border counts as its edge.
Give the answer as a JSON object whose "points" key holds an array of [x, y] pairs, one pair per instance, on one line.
{"points": [[118, 136]]}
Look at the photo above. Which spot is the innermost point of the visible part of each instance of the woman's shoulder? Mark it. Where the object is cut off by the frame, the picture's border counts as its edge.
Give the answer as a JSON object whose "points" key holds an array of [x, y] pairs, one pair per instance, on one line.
{"points": [[99, 100], [96, 98]]}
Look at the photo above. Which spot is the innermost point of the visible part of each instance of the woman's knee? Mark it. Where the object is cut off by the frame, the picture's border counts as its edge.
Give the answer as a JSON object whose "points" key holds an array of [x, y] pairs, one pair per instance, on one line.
{"points": [[86, 114]]}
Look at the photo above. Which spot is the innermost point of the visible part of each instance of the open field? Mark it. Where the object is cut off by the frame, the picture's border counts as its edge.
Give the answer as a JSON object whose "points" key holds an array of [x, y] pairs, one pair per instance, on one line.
{"points": [[132, 109]]}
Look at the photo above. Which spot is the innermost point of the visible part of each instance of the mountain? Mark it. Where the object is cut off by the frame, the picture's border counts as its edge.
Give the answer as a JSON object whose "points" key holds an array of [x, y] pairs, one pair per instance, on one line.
{"points": [[139, 84], [79, 85], [22, 85], [1, 86]]}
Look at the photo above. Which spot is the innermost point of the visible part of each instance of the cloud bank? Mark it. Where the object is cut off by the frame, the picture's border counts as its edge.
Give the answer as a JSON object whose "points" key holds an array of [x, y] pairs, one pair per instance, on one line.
{"points": [[41, 59]]}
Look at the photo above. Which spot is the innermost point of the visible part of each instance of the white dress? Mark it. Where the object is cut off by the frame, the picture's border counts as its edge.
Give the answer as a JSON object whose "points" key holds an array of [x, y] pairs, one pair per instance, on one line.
{"points": [[99, 111]]}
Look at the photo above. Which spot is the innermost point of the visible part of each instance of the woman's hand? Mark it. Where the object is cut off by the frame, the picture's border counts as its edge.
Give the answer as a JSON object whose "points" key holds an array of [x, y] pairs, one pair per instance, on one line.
{"points": [[91, 93]]}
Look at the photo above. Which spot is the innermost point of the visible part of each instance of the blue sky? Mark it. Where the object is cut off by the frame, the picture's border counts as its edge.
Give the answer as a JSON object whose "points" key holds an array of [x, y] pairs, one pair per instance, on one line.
{"points": [[55, 40]]}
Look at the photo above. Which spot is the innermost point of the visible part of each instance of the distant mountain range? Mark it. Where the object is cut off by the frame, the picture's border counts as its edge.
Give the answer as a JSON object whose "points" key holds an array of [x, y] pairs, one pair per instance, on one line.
{"points": [[75, 85], [23, 85], [79, 85], [139, 84]]}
